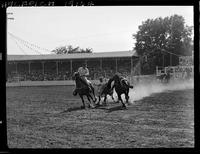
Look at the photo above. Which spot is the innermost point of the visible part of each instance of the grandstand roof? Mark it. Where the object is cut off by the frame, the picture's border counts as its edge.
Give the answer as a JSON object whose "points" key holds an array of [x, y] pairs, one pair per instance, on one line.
{"points": [[116, 54]]}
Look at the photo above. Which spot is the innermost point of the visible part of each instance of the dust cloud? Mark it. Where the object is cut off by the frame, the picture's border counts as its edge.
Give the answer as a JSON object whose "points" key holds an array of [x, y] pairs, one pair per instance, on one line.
{"points": [[144, 89]]}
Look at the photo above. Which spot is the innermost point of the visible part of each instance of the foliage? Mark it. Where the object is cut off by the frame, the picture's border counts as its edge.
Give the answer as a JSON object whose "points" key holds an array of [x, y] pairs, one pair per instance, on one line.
{"points": [[157, 37], [70, 50]]}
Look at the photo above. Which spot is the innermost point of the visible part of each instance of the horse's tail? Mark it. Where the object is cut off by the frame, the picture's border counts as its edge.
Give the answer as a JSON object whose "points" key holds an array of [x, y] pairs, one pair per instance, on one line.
{"points": [[127, 84], [130, 86]]}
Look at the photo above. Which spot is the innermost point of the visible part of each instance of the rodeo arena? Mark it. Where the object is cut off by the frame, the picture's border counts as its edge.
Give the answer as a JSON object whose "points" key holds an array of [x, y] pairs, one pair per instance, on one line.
{"points": [[44, 112]]}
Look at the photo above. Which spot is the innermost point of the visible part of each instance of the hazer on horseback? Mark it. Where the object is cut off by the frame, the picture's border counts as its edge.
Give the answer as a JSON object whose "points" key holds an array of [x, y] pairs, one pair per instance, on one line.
{"points": [[84, 72], [84, 86], [164, 78]]}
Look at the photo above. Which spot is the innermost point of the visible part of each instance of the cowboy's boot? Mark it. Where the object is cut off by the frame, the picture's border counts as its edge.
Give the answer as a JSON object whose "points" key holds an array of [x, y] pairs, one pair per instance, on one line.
{"points": [[90, 89], [75, 92]]}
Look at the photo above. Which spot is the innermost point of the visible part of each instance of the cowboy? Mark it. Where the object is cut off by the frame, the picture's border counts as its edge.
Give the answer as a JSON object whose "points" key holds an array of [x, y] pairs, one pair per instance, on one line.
{"points": [[101, 85], [83, 72]]}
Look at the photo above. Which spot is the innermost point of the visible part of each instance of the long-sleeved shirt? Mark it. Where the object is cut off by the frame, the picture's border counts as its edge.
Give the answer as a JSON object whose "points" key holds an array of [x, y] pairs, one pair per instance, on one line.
{"points": [[83, 71], [101, 86]]}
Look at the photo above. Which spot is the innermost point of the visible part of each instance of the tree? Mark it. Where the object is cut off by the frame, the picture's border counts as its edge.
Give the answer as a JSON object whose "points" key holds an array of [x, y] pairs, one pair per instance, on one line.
{"points": [[157, 37], [60, 50], [70, 50]]}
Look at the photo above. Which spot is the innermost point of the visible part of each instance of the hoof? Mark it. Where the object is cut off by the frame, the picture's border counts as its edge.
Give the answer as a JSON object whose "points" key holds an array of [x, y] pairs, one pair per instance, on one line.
{"points": [[94, 100], [91, 106], [82, 107], [74, 93], [128, 103], [124, 106], [104, 104], [98, 104]]}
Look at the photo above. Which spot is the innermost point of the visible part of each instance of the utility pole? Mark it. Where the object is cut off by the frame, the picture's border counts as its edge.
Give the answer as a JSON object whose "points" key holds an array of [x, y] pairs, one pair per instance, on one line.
{"points": [[8, 18]]}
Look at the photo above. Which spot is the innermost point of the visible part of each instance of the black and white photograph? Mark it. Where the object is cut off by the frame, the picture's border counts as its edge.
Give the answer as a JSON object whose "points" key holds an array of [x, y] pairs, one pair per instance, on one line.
{"points": [[100, 77]]}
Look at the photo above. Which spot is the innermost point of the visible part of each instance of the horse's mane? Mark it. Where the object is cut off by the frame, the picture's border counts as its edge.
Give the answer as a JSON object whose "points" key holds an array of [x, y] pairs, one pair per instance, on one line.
{"points": [[78, 78], [115, 78], [109, 83], [119, 80]]}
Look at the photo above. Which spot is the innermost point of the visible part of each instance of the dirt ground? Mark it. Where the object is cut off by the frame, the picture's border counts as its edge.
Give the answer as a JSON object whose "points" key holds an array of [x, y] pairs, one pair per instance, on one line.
{"points": [[50, 117]]}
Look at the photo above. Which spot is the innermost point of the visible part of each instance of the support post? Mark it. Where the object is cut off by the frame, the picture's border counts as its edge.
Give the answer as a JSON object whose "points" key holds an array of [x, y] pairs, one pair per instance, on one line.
{"points": [[43, 71], [156, 70], [71, 66], [116, 65], [163, 60], [57, 67], [170, 59], [16, 68], [29, 67], [101, 64], [131, 66]]}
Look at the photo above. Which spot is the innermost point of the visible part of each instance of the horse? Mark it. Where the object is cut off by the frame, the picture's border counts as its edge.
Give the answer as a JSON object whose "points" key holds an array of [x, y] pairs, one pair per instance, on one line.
{"points": [[167, 77], [83, 89], [161, 77], [121, 87], [106, 91], [164, 78]]}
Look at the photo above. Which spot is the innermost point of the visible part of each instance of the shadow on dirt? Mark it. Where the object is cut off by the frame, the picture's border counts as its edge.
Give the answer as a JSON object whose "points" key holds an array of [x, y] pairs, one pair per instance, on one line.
{"points": [[110, 108], [73, 109], [107, 108], [116, 108]]}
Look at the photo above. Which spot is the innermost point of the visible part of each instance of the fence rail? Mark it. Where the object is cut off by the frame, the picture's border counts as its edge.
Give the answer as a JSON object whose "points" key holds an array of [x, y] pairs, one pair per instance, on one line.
{"points": [[177, 72]]}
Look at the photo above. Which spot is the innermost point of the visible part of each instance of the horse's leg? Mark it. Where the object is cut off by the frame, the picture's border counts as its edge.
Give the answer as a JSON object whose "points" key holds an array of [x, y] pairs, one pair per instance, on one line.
{"points": [[88, 97], [117, 98], [88, 100], [120, 98], [97, 103], [99, 100], [94, 100], [105, 97], [112, 97], [126, 96], [82, 101]]}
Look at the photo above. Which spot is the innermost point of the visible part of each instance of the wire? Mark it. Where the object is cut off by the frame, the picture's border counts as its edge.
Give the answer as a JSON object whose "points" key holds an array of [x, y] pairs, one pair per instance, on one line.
{"points": [[19, 46], [25, 44], [30, 44], [172, 53]]}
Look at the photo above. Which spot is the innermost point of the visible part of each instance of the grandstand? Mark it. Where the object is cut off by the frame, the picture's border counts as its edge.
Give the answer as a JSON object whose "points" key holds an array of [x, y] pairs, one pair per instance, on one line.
{"points": [[53, 67]]}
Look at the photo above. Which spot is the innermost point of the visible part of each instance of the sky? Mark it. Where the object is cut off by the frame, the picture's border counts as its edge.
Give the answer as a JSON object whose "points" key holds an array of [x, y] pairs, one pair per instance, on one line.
{"points": [[39, 30]]}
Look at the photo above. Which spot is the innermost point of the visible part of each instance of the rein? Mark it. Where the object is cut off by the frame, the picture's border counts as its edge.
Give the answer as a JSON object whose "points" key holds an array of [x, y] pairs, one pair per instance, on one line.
{"points": [[79, 83]]}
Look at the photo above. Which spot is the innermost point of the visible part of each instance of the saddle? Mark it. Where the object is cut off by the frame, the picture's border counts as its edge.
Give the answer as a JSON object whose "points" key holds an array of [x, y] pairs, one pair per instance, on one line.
{"points": [[89, 85]]}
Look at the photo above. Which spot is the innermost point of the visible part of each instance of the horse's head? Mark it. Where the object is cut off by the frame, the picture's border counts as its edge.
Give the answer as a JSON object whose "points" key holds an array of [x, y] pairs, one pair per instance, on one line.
{"points": [[76, 75], [116, 78]]}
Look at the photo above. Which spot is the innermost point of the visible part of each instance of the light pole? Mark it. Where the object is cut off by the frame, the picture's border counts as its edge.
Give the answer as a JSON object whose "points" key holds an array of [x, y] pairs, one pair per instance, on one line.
{"points": [[7, 18]]}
